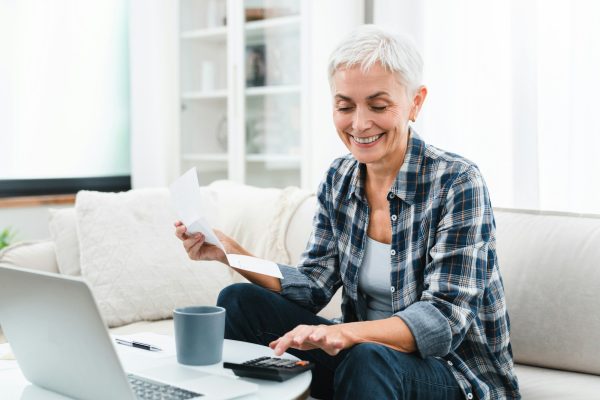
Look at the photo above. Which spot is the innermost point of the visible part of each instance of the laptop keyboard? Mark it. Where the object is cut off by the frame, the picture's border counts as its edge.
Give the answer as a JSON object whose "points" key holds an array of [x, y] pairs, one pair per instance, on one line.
{"points": [[146, 389]]}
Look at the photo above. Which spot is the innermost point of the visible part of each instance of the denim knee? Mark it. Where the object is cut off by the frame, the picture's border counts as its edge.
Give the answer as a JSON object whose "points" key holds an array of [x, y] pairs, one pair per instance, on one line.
{"points": [[364, 354], [242, 295], [230, 294]]}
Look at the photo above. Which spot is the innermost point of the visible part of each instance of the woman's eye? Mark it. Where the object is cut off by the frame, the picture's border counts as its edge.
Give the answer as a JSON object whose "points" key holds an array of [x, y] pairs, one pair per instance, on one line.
{"points": [[344, 109], [378, 108]]}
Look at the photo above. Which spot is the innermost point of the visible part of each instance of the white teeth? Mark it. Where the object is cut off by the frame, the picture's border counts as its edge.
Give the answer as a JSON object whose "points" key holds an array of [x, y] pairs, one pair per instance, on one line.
{"points": [[366, 140]]}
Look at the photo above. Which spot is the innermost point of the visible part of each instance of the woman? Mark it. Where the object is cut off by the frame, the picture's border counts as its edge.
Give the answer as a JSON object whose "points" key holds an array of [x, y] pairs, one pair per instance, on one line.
{"points": [[408, 231]]}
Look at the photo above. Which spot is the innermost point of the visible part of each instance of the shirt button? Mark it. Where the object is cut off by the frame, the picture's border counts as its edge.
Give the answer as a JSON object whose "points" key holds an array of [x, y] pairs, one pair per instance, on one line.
{"points": [[392, 289], [393, 252], [469, 396], [391, 196], [394, 217], [450, 363]]}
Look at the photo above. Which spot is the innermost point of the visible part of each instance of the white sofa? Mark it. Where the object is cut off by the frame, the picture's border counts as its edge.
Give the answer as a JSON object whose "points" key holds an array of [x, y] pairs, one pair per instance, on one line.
{"points": [[549, 263]]}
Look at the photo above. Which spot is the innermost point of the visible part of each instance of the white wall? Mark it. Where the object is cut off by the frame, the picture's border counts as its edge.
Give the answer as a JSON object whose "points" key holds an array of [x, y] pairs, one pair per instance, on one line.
{"points": [[154, 92], [330, 21], [29, 223], [512, 86]]}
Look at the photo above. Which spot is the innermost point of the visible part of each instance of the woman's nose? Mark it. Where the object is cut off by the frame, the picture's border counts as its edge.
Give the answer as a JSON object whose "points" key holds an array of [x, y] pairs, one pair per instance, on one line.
{"points": [[360, 120]]}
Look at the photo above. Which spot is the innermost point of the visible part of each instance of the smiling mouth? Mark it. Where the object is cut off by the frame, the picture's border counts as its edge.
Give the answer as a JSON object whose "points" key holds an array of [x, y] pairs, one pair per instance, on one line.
{"points": [[366, 140]]}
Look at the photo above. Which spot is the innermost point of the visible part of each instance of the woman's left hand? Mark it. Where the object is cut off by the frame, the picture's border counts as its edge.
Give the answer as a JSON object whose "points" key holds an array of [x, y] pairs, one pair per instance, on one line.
{"points": [[330, 338]]}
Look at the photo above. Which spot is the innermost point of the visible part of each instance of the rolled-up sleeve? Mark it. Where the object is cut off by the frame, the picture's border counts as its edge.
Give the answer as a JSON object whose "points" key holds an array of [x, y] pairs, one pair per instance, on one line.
{"points": [[315, 280], [455, 276]]}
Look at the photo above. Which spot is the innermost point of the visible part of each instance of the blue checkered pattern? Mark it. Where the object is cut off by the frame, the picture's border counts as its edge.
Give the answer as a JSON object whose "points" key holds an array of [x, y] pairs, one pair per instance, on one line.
{"points": [[445, 281]]}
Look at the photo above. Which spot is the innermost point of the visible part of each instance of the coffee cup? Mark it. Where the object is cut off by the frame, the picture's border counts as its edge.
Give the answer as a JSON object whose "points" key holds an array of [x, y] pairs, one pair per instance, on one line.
{"points": [[199, 334]]}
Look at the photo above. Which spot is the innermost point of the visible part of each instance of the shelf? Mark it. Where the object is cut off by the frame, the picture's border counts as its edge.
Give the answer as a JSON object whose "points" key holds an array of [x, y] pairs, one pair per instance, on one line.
{"points": [[255, 30], [225, 113], [279, 158], [277, 22], [211, 34], [268, 90], [37, 201], [206, 95], [205, 157]]}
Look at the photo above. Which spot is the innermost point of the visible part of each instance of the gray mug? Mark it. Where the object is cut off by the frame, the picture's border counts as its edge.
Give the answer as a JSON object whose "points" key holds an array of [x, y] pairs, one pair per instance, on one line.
{"points": [[199, 334]]}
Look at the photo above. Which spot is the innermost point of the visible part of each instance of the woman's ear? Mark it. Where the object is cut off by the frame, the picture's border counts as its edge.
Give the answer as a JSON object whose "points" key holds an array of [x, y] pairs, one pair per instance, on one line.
{"points": [[418, 100]]}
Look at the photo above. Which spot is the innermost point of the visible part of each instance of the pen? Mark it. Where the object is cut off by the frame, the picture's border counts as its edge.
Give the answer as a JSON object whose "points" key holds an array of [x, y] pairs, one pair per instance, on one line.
{"points": [[138, 345]]}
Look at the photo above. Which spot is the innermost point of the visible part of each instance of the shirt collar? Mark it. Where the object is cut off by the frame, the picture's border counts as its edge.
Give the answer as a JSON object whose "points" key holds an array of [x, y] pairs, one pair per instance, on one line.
{"points": [[405, 185]]}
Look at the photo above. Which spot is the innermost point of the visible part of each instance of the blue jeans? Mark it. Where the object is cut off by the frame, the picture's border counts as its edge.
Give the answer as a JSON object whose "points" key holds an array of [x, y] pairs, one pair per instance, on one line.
{"points": [[364, 371]]}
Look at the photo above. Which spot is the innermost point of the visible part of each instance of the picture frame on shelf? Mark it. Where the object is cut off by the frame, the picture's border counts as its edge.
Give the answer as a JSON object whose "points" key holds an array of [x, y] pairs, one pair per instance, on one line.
{"points": [[256, 66]]}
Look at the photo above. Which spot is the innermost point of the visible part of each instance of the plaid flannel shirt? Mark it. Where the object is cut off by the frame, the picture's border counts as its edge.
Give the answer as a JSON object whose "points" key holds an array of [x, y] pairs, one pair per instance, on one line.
{"points": [[445, 282]]}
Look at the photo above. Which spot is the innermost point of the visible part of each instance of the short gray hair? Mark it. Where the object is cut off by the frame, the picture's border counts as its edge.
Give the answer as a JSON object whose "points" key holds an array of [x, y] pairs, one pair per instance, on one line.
{"points": [[369, 44]]}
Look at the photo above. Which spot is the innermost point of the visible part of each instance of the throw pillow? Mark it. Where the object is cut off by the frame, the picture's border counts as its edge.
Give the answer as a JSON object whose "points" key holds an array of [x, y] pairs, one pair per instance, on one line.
{"points": [[136, 267], [63, 231], [35, 254]]}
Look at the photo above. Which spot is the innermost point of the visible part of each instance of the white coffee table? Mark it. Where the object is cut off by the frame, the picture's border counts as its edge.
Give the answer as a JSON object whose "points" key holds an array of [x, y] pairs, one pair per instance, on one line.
{"points": [[14, 386]]}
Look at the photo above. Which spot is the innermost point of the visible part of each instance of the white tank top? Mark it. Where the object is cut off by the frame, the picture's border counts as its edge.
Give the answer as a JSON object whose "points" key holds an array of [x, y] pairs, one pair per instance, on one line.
{"points": [[374, 279]]}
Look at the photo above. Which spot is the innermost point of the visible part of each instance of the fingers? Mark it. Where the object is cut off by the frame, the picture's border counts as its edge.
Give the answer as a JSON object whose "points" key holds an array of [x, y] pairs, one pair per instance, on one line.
{"points": [[301, 333], [193, 244], [180, 230], [307, 337], [328, 340], [281, 345], [318, 334], [296, 338]]}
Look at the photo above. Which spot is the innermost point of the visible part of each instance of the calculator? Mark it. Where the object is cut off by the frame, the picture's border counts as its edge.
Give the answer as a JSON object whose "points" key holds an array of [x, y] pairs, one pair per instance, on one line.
{"points": [[271, 368]]}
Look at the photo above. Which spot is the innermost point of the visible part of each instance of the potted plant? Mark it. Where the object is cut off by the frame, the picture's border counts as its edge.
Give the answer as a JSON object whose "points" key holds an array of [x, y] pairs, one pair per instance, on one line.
{"points": [[6, 237]]}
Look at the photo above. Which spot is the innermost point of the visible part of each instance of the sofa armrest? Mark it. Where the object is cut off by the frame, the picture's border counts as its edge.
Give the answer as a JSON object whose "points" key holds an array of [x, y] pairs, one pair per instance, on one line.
{"points": [[334, 308], [37, 255], [300, 228]]}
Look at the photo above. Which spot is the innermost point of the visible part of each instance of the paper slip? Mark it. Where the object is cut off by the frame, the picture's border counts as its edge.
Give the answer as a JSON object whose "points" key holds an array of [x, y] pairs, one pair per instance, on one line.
{"points": [[195, 209], [254, 264], [193, 206]]}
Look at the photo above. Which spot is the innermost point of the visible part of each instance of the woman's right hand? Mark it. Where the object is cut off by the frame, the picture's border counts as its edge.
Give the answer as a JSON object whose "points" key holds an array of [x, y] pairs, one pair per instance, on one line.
{"points": [[195, 246]]}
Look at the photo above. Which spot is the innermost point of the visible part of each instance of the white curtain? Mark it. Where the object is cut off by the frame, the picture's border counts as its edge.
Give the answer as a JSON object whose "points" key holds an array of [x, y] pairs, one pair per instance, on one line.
{"points": [[513, 86], [64, 89]]}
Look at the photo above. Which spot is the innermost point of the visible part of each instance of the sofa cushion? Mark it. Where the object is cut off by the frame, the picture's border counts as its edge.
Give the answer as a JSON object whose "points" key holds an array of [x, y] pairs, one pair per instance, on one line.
{"points": [[162, 327], [63, 231], [258, 217], [550, 266], [550, 384], [39, 255], [136, 267], [299, 229]]}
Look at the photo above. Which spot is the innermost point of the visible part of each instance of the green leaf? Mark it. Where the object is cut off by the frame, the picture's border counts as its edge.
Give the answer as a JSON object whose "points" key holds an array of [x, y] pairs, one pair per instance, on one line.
{"points": [[6, 237]]}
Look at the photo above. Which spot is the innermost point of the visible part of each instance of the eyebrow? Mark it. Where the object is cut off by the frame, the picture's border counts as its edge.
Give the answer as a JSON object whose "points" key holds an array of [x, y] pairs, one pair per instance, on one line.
{"points": [[377, 95], [346, 98]]}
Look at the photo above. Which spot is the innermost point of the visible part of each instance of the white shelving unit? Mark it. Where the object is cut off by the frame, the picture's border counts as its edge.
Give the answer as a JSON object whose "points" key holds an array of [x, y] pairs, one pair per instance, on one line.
{"points": [[213, 34], [242, 90]]}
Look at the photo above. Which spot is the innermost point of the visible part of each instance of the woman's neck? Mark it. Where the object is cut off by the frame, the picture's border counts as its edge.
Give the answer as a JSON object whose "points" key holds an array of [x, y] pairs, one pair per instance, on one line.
{"points": [[381, 175]]}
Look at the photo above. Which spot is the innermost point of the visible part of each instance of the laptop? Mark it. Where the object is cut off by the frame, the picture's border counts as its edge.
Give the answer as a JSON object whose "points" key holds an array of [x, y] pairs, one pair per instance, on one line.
{"points": [[61, 343]]}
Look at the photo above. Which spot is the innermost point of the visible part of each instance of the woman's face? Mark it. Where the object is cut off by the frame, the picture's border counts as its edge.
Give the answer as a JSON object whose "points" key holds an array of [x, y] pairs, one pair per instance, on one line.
{"points": [[371, 112]]}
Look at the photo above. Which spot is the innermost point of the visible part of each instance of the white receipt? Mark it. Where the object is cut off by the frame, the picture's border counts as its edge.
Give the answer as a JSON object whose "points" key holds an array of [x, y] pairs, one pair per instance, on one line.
{"points": [[193, 206], [195, 210], [254, 264]]}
